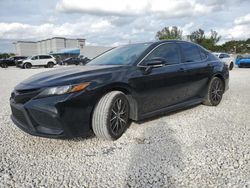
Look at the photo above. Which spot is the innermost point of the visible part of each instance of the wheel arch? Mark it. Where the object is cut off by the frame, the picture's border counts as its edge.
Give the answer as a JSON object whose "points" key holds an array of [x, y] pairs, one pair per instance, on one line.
{"points": [[219, 75], [50, 62], [127, 90], [25, 63]]}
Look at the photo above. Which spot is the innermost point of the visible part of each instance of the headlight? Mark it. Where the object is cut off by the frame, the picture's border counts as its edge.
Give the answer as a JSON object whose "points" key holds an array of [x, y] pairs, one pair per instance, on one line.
{"points": [[63, 89]]}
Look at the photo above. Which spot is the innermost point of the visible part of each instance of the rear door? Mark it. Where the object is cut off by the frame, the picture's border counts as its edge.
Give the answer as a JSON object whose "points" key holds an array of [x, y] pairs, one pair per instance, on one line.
{"points": [[43, 59], [198, 69]]}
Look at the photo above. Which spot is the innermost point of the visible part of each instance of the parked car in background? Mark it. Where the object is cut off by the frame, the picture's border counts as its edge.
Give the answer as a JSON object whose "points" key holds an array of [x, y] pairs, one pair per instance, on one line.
{"points": [[130, 82], [84, 59], [226, 58], [47, 61], [75, 61], [71, 61], [12, 61], [243, 61]]}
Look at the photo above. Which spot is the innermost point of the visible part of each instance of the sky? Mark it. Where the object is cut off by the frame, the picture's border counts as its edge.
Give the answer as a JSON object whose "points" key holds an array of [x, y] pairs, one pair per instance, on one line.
{"points": [[116, 22]]}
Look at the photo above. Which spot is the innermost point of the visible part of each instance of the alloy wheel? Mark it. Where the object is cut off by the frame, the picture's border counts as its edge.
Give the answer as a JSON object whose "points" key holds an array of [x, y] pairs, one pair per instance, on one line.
{"points": [[119, 116], [217, 91]]}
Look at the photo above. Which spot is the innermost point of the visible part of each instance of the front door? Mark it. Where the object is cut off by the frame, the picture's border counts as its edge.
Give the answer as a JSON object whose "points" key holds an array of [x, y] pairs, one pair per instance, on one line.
{"points": [[162, 86]]}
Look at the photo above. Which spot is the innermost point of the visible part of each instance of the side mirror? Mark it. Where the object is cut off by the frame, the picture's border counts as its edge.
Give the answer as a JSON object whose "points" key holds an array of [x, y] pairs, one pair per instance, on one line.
{"points": [[155, 62]]}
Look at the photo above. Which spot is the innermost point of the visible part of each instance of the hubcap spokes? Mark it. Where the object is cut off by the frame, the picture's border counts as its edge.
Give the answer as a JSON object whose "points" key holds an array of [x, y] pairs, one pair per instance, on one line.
{"points": [[119, 114], [217, 91]]}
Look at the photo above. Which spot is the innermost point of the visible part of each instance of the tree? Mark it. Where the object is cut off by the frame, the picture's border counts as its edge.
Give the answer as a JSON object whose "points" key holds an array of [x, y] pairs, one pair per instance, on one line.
{"points": [[169, 33], [6, 55], [209, 43], [214, 37], [197, 36]]}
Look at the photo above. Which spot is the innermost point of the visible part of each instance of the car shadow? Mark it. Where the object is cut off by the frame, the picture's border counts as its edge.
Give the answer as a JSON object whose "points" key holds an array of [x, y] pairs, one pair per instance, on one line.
{"points": [[157, 159]]}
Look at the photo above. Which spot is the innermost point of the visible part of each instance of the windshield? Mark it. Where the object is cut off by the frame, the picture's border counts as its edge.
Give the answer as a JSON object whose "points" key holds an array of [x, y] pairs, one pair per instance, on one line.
{"points": [[124, 55], [243, 57]]}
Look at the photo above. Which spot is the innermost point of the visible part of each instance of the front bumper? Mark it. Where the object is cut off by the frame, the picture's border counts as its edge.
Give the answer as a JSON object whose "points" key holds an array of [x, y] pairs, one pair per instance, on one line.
{"points": [[64, 116], [19, 64], [244, 64]]}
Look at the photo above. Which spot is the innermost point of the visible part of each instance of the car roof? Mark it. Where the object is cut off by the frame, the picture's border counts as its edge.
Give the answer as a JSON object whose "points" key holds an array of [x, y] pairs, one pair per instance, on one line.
{"points": [[40, 55]]}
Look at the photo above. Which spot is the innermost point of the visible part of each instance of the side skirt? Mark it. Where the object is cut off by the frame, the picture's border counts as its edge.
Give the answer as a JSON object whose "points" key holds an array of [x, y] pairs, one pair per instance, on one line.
{"points": [[172, 108]]}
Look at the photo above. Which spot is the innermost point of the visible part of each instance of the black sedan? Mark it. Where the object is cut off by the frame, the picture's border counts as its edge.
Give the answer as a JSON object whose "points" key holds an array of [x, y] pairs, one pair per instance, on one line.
{"points": [[12, 61], [131, 82], [74, 61]]}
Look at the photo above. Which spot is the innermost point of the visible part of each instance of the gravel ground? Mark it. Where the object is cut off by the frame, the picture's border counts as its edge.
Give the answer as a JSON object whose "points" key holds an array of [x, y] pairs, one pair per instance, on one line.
{"points": [[199, 147]]}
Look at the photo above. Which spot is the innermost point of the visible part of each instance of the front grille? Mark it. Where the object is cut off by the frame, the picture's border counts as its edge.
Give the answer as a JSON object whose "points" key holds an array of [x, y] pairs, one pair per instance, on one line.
{"points": [[23, 96], [19, 115]]}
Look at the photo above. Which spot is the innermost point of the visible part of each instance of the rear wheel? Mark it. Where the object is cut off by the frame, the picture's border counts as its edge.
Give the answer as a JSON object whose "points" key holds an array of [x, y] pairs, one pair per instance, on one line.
{"points": [[215, 92], [231, 66], [111, 116], [50, 65], [27, 65]]}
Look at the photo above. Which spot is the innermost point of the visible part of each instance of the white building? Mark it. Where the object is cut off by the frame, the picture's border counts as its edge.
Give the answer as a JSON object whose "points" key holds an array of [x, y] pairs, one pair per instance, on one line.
{"points": [[93, 51], [57, 44], [27, 48]]}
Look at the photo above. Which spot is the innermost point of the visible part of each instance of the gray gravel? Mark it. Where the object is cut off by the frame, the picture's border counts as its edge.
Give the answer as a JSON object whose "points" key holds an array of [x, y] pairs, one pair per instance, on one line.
{"points": [[199, 147]]}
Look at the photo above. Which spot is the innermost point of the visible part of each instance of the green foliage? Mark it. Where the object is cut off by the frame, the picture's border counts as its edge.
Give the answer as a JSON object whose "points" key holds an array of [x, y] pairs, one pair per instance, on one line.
{"points": [[240, 46], [169, 33], [200, 38], [209, 42], [6, 55]]}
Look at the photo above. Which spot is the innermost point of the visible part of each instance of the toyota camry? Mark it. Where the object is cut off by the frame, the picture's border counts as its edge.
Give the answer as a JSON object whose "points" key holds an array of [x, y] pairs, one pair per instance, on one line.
{"points": [[130, 82]]}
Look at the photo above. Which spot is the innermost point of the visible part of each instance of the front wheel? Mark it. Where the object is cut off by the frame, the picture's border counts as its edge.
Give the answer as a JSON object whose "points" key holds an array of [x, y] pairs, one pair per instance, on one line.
{"points": [[4, 65], [111, 116], [27, 65], [215, 92], [231, 66]]}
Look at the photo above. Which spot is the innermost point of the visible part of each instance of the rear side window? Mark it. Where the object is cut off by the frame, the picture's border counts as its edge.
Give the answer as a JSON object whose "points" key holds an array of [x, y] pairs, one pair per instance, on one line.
{"points": [[168, 51], [224, 56], [44, 57], [203, 54], [190, 52]]}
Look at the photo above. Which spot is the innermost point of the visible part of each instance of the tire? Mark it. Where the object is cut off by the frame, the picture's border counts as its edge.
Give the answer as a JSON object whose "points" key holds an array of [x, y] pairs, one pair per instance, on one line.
{"points": [[27, 65], [50, 65], [231, 66], [111, 116], [4, 65], [215, 92]]}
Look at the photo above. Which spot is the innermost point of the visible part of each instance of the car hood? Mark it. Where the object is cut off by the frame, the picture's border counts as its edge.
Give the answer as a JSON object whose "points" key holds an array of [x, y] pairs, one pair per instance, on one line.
{"points": [[64, 76]]}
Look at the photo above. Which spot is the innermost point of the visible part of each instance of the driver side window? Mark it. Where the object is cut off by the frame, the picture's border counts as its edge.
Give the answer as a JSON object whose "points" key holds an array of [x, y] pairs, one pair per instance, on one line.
{"points": [[168, 51]]}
